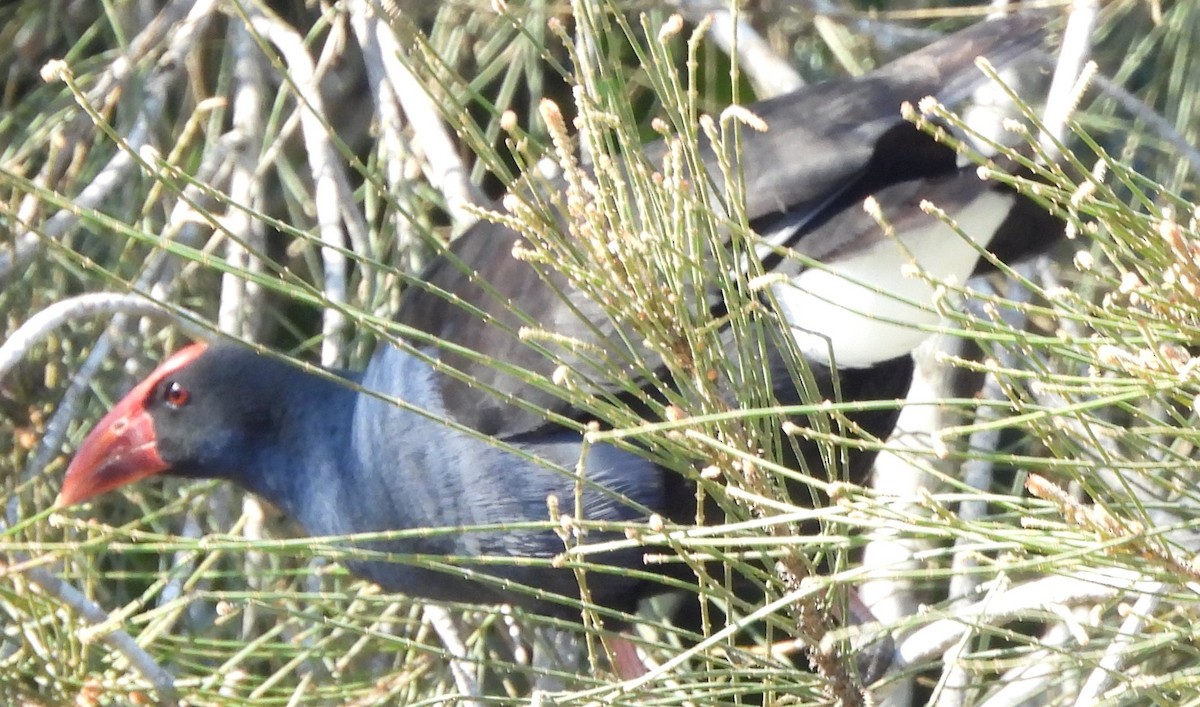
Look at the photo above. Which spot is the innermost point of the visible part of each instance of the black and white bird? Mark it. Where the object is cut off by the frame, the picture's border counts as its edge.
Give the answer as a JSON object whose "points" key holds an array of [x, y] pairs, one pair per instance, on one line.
{"points": [[827, 148]]}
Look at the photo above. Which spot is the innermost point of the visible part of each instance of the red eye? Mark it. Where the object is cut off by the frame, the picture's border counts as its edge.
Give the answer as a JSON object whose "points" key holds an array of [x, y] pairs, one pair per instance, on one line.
{"points": [[176, 395]]}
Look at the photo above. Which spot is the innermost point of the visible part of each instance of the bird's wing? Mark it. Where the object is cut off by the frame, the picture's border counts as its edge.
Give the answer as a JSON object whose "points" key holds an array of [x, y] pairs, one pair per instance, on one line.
{"points": [[474, 299]]}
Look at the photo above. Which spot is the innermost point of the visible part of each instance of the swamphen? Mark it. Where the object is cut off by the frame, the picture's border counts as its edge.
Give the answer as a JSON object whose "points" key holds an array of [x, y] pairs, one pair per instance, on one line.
{"points": [[341, 456], [341, 461]]}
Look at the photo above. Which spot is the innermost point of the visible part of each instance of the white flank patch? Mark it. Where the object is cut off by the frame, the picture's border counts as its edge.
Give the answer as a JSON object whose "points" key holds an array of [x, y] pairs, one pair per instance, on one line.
{"points": [[864, 310]]}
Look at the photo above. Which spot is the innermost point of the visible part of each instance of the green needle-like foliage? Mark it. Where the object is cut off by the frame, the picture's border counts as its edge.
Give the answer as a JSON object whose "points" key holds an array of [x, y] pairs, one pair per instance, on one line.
{"points": [[238, 163]]}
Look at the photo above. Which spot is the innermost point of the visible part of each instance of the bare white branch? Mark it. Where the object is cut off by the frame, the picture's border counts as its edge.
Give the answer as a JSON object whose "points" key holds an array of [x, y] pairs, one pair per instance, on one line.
{"points": [[326, 174]]}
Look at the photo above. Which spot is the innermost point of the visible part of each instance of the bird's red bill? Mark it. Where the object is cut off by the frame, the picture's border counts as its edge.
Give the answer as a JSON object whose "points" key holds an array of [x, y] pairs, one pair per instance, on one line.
{"points": [[122, 448]]}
